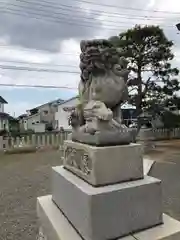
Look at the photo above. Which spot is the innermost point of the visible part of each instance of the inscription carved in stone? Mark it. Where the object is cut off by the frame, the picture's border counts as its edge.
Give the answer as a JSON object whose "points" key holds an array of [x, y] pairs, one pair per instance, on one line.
{"points": [[78, 159]]}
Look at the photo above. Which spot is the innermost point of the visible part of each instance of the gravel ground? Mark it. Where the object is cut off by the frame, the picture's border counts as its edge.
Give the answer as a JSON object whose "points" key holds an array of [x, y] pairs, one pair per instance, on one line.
{"points": [[23, 178]]}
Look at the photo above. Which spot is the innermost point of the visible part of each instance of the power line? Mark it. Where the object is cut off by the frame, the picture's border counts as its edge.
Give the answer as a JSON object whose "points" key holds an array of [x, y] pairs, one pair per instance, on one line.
{"points": [[56, 5], [64, 7], [41, 64], [39, 51], [37, 69], [94, 11], [65, 18], [36, 86], [49, 16], [54, 14], [122, 7], [52, 20]]}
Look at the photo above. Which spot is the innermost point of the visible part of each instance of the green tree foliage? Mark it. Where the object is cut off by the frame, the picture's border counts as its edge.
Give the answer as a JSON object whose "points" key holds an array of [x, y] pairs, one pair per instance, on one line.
{"points": [[152, 78]]}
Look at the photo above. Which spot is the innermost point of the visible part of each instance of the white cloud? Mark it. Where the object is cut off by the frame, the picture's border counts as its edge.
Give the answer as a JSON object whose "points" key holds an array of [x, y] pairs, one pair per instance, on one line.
{"points": [[20, 54], [71, 46], [64, 62], [167, 5], [151, 4], [69, 50]]}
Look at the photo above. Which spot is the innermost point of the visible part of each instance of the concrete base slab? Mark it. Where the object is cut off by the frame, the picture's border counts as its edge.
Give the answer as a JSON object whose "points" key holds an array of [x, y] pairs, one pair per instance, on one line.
{"points": [[170, 230], [107, 212], [147, 165], [104, 165], [54, 226]]}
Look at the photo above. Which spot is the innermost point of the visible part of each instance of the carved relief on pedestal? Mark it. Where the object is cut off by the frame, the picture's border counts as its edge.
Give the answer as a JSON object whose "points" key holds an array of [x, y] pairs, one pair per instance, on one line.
{"points": [[78, 159]]}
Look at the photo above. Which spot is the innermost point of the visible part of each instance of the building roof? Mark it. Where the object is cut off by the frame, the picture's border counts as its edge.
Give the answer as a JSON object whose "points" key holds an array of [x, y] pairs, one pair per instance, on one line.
{"points": [[4, 115], [2, 100], [68, 100], [57, 102], [68, 109], [31, 116], [22, 116], [7, 116]]}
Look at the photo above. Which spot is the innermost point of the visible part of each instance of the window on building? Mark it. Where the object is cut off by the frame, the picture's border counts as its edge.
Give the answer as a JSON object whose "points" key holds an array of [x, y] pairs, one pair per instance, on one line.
{"points": [[45, 112]]}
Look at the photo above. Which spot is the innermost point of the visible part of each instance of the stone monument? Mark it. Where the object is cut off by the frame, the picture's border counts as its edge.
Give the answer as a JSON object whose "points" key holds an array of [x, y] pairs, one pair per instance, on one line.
{"points": [[100, 192], [102, 89]]}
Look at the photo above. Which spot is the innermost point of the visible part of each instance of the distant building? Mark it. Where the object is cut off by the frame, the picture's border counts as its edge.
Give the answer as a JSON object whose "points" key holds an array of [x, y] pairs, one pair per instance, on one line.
{"points": [[21, 121], [42, 117], [63, 113], [4, 117]]}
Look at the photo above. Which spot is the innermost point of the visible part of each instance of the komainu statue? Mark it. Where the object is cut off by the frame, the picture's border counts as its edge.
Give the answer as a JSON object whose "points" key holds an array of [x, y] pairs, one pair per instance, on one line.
{"points": [[102, 89]]}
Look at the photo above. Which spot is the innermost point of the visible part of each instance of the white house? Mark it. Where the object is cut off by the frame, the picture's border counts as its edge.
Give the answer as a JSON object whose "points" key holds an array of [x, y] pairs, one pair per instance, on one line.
{"points": [[62, 115], [38, 118], [4, 117]]}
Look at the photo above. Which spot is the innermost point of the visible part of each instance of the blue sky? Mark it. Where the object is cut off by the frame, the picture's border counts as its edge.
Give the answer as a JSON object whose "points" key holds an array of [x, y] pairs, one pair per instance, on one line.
{"points": [[20, 99]]}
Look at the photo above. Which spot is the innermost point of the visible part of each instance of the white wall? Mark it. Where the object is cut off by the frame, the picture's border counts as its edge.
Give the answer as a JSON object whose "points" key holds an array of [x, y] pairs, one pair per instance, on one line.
{"points": [[61, 116], [3, 143], [39, 127], [4, 123], [1, 107], [31, 121], [46, 113]]}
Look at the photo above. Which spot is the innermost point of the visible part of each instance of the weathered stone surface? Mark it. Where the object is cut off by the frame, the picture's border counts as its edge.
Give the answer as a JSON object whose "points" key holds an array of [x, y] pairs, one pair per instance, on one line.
{"points": [[54, 224], [103, 138], [107, 212], [104, 165], [102, 90]]}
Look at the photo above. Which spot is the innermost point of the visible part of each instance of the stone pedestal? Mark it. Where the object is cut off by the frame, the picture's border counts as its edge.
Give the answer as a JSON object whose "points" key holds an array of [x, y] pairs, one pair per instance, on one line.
{"points": [[107, 212], [101, 194], [104, 165], [104, 137], [55, 226]]}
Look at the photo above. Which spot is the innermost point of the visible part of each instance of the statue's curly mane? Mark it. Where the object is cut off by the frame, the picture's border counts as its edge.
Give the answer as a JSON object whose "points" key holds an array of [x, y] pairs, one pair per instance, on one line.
{"points": [[97, 56], [102, 88]]}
